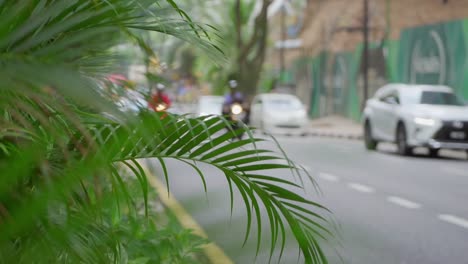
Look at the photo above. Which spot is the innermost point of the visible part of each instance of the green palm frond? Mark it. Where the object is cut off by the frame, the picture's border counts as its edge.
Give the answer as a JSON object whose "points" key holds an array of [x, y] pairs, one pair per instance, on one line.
{"points": [[66, 194], [57, 42], [192, 141], [205, 140]]}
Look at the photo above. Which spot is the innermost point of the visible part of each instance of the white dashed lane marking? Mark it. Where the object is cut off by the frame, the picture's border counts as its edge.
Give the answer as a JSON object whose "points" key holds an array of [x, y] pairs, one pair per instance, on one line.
{"points": [[361, 188], [454, 220], [328, 177], [403, 202]]}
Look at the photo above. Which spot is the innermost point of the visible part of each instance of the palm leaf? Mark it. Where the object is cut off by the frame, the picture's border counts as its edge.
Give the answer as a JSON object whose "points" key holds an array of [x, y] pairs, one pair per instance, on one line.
{"points": [[280, 203], [63, 195]]}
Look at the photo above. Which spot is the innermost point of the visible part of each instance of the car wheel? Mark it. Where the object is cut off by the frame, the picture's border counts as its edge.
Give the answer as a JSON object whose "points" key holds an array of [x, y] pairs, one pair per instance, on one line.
{"points": [[433, 152], [370, 142], [401, 140]]}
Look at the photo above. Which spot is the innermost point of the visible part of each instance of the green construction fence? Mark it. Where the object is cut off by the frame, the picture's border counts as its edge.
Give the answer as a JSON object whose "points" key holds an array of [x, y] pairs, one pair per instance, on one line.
{"points": [[429, 54]]}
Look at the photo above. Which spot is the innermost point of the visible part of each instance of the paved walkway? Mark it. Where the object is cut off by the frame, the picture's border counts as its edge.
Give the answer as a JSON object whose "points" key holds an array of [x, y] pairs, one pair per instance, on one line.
{"points": [[335, 126]]}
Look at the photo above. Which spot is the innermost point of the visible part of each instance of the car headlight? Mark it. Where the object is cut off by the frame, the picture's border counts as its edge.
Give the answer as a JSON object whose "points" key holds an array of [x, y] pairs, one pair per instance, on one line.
{"points": [[425, 121]]}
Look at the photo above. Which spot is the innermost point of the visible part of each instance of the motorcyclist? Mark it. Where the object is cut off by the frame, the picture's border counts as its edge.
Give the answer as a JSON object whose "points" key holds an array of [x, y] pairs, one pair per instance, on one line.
{"points": [[234, 96], [234, 108], [160, 100]]}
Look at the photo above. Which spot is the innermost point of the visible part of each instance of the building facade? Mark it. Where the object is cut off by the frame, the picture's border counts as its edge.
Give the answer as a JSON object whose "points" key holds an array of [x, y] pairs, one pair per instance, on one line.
{"points": [[411, 41]]}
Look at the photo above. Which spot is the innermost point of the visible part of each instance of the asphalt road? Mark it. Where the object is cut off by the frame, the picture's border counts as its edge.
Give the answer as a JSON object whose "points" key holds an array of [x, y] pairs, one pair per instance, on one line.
{"points": [[386, 208]]}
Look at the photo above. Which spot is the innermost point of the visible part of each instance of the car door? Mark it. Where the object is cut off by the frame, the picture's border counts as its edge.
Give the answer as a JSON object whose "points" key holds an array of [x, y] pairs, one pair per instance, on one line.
{"points": [[389, 115], [375, 112], [376, 107]]}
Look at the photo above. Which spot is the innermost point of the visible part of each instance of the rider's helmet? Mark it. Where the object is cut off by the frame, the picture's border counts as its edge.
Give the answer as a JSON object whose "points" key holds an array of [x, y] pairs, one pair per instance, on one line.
{"points": [[160, 87], [233, 84]]}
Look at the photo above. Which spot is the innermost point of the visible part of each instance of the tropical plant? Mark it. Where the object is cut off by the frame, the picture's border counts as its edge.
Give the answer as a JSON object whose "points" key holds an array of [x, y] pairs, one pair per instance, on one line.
{"points": [[72, 188]]}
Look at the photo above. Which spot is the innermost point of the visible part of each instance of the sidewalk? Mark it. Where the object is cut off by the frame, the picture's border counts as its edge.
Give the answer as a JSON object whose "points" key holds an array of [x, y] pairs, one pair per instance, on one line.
{"points": [[337, 127]]}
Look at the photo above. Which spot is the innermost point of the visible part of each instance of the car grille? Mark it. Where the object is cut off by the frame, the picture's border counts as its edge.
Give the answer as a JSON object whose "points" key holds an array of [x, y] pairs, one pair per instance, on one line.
{"points": [[443, 134]]}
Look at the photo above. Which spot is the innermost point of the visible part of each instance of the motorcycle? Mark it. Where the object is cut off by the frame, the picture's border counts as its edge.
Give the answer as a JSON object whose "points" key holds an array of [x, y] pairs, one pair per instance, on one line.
{"points": [[161, 107], [238, 115]]}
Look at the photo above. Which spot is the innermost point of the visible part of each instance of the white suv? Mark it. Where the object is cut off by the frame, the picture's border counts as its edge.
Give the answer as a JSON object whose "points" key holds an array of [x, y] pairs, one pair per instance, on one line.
{"points": [[416, 115]]}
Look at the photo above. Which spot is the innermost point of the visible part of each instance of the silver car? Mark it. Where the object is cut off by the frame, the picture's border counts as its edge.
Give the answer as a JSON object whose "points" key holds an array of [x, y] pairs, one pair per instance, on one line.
{"points": [[416, 116]]}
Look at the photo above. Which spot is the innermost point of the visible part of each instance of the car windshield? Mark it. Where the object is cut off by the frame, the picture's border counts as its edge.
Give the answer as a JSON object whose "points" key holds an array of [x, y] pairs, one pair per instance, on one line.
{"points": [[284, 103], [440, 98]]}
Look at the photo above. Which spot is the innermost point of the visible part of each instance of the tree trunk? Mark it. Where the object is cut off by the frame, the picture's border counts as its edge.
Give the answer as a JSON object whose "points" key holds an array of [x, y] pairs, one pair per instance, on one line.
{"points": [[251, 53]]}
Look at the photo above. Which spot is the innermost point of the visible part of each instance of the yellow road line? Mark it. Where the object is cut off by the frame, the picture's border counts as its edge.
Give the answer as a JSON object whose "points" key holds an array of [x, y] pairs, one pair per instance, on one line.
{"points": [[212, 251]]}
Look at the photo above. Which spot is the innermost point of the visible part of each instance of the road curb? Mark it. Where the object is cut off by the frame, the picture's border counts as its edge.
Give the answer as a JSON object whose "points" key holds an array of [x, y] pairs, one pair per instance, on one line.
{"points": [[336, 135], [212, 251]]}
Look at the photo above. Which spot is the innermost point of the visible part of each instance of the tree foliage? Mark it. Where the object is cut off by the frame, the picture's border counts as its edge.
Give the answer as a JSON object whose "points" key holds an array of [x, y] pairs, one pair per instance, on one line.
{"points": [[242, 25]]}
